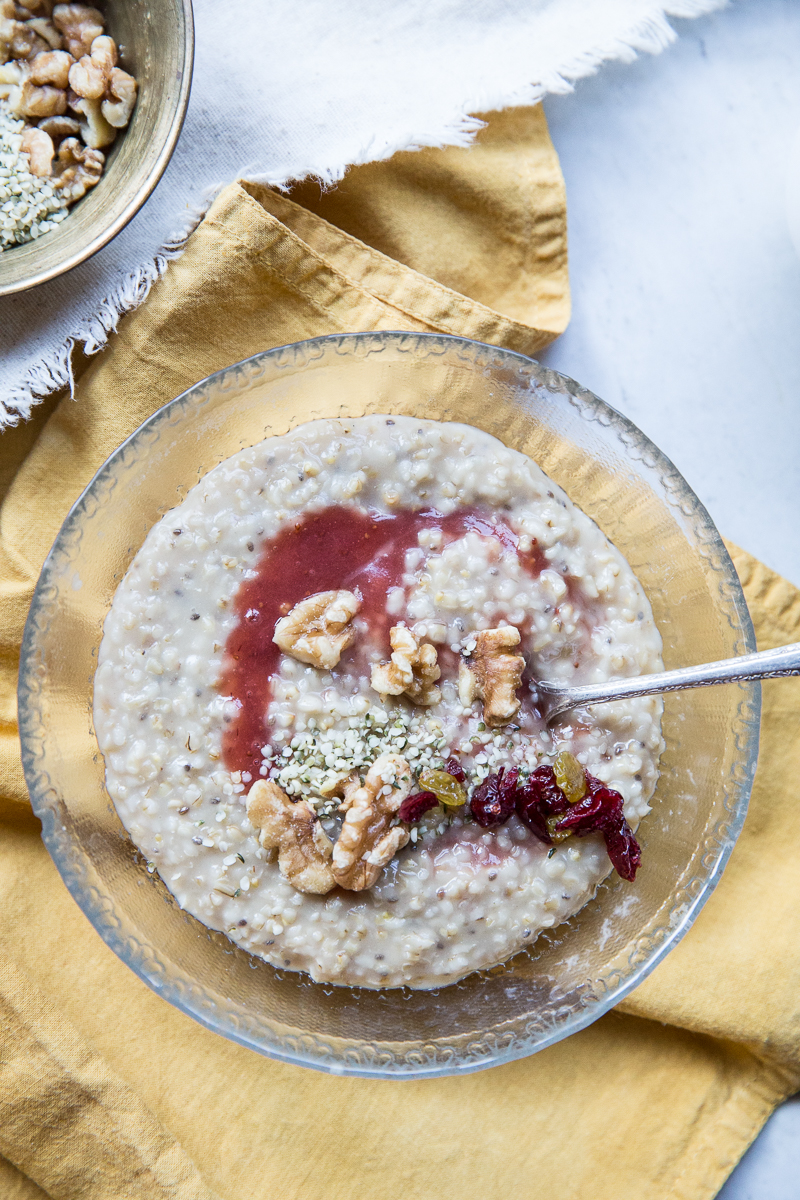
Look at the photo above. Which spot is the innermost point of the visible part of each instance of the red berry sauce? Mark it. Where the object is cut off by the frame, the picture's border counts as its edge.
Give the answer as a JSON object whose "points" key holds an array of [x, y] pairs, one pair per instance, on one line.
{"points": [[336, 547]]}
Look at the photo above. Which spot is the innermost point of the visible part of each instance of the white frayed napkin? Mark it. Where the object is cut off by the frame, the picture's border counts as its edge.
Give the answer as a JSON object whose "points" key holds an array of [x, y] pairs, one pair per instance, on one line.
{"points": [[285, 89]]}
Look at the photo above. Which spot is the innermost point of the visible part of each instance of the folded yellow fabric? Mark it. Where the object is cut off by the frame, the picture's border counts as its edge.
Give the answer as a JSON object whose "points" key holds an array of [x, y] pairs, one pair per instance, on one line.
{"points": [[105, 1090]]}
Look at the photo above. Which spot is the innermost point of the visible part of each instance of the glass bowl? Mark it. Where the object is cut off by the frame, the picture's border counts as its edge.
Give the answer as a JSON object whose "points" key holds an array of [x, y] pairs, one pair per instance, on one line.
{"points": [[573, 974], [158, 41]]}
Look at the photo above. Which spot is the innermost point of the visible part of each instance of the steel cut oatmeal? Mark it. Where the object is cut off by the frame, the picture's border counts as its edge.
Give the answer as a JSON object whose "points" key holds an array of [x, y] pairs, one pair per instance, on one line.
{"points": [[316, 699]]}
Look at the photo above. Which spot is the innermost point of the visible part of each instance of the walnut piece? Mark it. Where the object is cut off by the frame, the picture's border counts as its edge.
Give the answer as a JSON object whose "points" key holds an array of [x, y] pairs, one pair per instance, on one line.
{"points": [[120, 98], [30, 101], [51, 66], [76, 169], [87, 78], [27, 43], [97, 77], [35, 8], [318, 629], [304, 849], [60, 127], [412, 670], [48, 32], [494, 674], [9, 26], [40, 150], [368, 840], [11, 76], [80, 25], [95, 129]]}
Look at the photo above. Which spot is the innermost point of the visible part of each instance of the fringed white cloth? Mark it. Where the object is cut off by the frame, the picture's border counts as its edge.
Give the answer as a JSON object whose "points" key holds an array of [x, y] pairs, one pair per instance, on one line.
{"points": [[285, 89]]}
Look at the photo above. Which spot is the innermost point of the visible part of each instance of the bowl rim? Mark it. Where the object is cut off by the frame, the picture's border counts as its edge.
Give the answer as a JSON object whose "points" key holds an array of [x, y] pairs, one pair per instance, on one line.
{"points": [[312, 1050], [148, 185]]}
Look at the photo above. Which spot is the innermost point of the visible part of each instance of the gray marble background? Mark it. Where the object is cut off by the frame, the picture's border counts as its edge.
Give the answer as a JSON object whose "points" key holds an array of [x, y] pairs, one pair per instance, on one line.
{"points": [[683, 188]]}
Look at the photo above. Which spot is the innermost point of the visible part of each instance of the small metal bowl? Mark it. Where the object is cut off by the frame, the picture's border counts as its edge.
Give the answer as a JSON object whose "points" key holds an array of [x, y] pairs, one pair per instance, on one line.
{"points": [[157, 42]]}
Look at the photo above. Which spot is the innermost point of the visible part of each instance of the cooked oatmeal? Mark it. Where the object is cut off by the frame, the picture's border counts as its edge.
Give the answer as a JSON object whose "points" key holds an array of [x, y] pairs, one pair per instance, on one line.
{"points": [[321, 663]]}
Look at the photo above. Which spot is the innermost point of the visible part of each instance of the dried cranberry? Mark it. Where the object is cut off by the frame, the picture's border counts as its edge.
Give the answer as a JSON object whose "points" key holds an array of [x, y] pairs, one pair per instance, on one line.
{"points": [[539, 799], [414, 807], [545, 809], [493, 800], [600, 811], [623, 850], [454, 768]]}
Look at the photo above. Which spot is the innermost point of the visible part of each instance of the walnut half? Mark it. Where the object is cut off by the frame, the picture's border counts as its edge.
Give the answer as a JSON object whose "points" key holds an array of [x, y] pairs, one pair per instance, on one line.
{"points": [[39, 148], [76, 169], [79, 24], [304, 849], [412, 670], [493, 675], [318, 629], [368, 841]]}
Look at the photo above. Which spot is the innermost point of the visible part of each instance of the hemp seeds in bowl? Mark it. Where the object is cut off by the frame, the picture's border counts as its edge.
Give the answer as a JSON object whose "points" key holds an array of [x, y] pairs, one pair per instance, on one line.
{"points": [[316, 701]]}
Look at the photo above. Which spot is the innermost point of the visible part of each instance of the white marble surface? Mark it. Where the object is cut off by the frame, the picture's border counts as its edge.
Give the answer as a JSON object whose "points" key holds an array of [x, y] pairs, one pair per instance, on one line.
{"points": [[683, 184], [686, 284]]}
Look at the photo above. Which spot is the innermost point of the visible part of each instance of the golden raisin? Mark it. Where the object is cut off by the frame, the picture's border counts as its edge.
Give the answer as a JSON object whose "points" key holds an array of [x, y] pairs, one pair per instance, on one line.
{"points": [[445, 788], [570, 776], [556, 835]]}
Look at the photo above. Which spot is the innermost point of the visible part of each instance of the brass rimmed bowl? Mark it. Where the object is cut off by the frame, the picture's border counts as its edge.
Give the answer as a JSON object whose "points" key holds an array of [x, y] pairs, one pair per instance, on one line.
{"points": [[157, 40], [573, 974]]}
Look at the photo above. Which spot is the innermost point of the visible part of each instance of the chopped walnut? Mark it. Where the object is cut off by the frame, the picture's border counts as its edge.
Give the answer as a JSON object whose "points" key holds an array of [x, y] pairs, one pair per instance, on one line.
{"points": [[368, 841], [318, 629], [35, 8], [8, 28], [40, 150], [120, 98], [48, 32], [87, 78], [76, 169], [494, 675], [11, 76], [95, 129], [25, 42], [51, 66], [97, 77], [80, 25], [411, 671], [34, 102], [304, 850], [60, 127]]}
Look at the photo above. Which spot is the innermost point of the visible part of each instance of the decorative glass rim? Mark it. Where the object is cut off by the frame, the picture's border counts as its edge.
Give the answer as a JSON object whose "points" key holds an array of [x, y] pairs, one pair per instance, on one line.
{"points": [[374, 1061]]}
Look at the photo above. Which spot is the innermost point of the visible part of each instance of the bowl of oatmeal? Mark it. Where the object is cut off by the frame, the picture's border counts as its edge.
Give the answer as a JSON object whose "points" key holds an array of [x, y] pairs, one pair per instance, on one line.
{"points": [[307, 607], [92, 100]]}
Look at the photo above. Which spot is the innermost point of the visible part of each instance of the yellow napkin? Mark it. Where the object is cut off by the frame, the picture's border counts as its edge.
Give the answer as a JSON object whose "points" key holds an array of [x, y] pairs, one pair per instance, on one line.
{"points": [[105, 1090]]}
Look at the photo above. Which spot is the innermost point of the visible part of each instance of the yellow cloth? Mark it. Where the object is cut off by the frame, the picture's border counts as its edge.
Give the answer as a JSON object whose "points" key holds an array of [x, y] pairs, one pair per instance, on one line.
{"points": [[105, 1090]]}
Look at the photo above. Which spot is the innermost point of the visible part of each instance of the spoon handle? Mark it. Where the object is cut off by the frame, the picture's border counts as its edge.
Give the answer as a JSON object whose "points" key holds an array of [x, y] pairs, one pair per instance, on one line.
{"points": [[766, 664]]}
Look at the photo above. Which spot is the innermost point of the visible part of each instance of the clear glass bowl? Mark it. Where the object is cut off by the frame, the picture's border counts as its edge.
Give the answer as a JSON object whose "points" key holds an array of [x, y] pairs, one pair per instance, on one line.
{"points": [[574, 973]]}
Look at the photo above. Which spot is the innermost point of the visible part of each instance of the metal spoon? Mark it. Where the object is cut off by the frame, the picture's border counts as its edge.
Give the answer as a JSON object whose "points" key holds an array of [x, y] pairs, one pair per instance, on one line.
{"points": [[554, 699]]}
